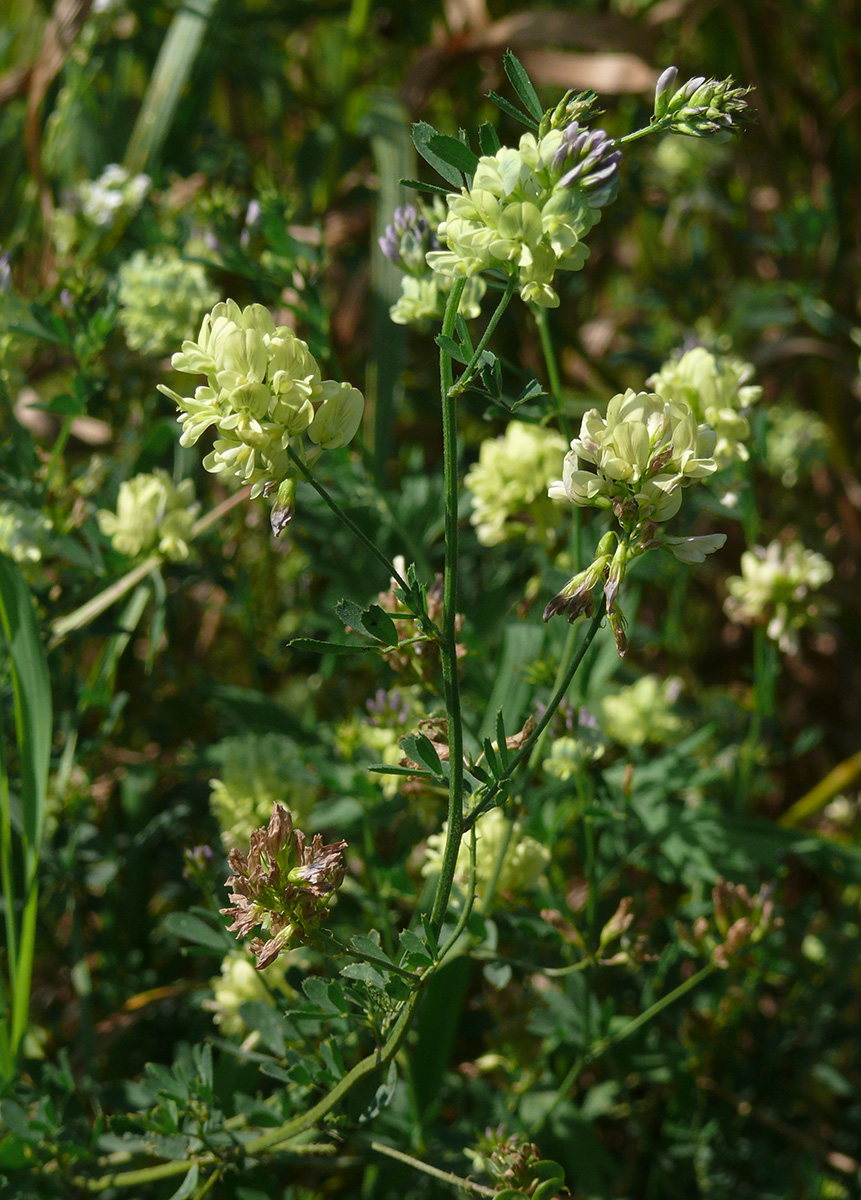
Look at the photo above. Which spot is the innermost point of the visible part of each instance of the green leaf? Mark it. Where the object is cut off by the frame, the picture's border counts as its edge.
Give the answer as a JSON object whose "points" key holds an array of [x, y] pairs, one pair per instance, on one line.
{"points": [[454, 151], [369, 947], [311, 644], [491, 759], [512, 110], [32, 695], [413, 772], [318, 992], [349, 613], [365, 973], [267, 1021], [450, 347], [522, 84], [418, 186], [377, 622], [422, 750], [488, 138], [188, 1184], [373, 621], [500, 738], [412, 944], [532, 391], [422, 137], [462, 330], [189, 928], [64, 405], [18, 1122]]}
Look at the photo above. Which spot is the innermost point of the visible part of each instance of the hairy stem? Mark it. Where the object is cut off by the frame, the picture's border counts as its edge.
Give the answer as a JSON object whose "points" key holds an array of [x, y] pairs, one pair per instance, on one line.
{"points": [[448, 648], [524, 753], [446, 1176]]}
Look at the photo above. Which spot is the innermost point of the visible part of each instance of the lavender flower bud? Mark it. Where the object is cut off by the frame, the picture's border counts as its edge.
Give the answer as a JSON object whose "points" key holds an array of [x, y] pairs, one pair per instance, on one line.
{"points": [[408, 238], [663, 88], [592, 163]]}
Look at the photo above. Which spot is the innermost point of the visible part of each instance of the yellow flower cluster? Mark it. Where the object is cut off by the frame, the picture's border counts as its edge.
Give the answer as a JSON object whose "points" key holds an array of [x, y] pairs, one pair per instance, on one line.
{"points": [[528, 210], [522, 866], [264, 391], [777, 586], [716, 388], [153, 514], [509, 485]]}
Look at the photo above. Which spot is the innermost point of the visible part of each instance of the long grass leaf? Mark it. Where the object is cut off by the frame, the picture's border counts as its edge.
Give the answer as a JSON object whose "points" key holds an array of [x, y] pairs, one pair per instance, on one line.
{"points": [[170, 75], [32, 695]]}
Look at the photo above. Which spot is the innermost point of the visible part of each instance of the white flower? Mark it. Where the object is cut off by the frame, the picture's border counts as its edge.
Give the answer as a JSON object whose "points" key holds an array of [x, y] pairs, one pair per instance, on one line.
{"points": [[152, 513], [264, 391], [777, 586], [716, 388]]}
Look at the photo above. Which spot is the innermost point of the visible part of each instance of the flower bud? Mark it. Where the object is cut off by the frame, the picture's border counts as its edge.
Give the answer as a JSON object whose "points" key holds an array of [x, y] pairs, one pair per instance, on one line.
{"points": [[663, 88]]}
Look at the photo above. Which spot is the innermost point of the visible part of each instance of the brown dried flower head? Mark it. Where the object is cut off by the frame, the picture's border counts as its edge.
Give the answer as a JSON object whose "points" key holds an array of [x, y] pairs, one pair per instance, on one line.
{"points": [[283, 884]]}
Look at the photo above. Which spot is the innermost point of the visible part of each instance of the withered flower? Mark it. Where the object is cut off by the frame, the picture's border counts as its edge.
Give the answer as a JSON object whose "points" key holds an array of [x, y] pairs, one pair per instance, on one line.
{"points": [[283, 884]]}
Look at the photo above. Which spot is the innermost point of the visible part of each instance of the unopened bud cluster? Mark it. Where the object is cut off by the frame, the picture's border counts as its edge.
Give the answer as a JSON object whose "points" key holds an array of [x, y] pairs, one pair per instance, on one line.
{"points": [[283, 884], [700, 107], [264, 391], [406, 242], [739, 922], [777, 587], [528, 210]]}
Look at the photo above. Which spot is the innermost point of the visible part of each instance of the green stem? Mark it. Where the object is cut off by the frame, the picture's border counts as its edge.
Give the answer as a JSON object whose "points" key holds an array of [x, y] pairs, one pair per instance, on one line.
{"points": [[448, 647], [553, 377], [446, 1176], [465, 912], [654, 127], [469, 370], [427, 625], [380, 1058], [556, 699], [26, 947], [56, 453], [6, 870], [561, 674], [605, 1043], [95, 607]]}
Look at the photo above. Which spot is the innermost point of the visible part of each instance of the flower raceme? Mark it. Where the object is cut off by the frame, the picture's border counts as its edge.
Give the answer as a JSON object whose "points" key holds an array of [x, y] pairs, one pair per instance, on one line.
{"points": [[717, 389], [644, 452], [264, 391], [528, 209], [700, 107], [509, 485], [153, 513], [777, 587]]}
